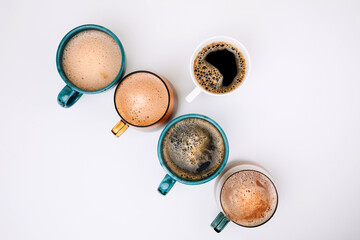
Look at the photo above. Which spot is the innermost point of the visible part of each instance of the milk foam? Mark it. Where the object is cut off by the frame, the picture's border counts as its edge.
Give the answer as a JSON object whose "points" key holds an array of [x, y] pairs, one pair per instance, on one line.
{"points": [[91, 60], [142, 99], [249, 198]]}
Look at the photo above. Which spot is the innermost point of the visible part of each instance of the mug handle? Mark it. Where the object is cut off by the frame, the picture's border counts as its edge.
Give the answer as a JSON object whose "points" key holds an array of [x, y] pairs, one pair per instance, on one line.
{"points": [[68, 96], [166, 184], [194, 93], [120, 128], [220, 222]]}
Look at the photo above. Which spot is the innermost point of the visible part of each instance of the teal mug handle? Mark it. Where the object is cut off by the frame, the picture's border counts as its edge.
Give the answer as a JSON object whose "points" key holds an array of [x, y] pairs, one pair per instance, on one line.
{"points": [[67, 97], [220, 222], [166, 184]]}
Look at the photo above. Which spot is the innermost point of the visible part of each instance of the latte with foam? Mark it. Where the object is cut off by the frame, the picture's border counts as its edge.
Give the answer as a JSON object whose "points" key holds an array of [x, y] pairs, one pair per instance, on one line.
{"points": [[91, 60], [193, 149], [248, 198], [142, 98]]}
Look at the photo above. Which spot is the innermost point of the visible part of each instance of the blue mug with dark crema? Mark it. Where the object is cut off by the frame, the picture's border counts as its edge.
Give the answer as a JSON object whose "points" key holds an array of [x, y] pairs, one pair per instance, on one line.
{"points": [[90, 59], [192, 149]]}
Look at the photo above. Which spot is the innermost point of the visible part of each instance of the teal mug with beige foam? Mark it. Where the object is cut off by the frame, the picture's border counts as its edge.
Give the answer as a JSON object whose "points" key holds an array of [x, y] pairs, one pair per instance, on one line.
{"points": [[90, 59]]}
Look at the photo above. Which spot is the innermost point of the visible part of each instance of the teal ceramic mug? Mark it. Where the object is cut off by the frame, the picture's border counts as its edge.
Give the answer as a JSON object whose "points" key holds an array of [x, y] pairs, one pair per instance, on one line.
{"points": [[70, 94], [171, 176]]}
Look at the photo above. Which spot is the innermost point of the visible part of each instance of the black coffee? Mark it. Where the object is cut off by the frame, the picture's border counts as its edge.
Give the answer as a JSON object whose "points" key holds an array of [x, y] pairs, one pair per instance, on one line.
{"points": [[193, 149], [219, 67]]}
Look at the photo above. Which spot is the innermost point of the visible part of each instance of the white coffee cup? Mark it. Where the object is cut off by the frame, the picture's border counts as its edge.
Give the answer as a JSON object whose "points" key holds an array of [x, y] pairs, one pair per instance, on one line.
{"points": [[222, 220], [198, 89]]}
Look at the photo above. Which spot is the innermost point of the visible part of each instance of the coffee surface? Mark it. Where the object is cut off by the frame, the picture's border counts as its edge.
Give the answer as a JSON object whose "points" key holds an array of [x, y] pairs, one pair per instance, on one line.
{"points": [[219, 67], [142, 99], [91, 60], [193, 149], [248, 198]]}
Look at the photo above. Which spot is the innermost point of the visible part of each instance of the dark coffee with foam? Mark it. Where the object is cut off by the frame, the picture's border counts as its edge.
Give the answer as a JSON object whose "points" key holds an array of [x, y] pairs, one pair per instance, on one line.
{"points": [[248, 198], [219, 67], [193, 149]]}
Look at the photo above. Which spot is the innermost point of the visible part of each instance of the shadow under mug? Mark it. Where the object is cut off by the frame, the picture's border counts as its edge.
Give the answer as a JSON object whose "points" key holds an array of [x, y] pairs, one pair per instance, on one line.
{"points": [[70, 94], [124, 124], [221, 220], [171, 178]]}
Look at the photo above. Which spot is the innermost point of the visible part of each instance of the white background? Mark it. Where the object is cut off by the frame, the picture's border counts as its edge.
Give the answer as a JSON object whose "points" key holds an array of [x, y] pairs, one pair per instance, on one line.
{"points": [[63, 175]]}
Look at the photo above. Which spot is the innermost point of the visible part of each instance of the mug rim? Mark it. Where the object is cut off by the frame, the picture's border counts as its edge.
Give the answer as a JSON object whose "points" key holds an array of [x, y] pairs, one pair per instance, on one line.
{"points": [[213, 175], [167, 90], [264, 174], [209, 40], [68, 37]]}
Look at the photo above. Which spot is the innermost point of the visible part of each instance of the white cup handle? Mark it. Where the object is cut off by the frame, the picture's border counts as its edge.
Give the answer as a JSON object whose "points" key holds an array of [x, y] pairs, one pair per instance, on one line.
{"points": [[189, 98]]}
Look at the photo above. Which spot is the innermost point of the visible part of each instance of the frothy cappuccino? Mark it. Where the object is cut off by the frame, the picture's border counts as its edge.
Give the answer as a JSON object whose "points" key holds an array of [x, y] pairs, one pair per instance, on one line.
{"points": [[91, 60], [248, 198], [142, 99]]}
